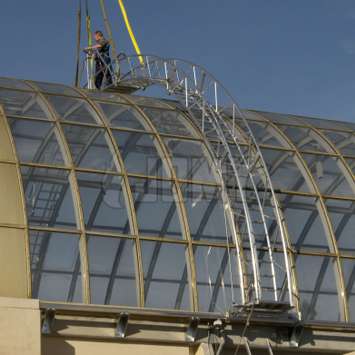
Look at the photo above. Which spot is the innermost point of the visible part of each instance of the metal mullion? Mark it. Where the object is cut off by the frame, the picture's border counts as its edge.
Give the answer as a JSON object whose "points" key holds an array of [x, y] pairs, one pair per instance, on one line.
{"points": [[23, 200], [142, 176], [181, 209], [133, 130], [324, 218], [55, 230], [180, 137], [80, 124], [19, 90], [97, 171], [45, 166], [163, 240], [30, 118], [104, 234], [77, 201], [8, 162], [129, 197]]}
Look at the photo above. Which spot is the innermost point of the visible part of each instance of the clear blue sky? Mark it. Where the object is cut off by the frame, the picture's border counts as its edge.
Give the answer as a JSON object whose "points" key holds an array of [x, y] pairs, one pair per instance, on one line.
{"points": [[294, 56]]}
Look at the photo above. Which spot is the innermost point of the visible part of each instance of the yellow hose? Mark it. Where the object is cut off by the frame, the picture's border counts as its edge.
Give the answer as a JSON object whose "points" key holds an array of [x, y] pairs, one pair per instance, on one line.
{"points": [[130, 31]]}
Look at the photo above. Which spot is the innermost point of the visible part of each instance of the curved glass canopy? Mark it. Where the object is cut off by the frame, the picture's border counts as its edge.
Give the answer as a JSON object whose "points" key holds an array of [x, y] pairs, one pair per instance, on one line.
{"points": [[124, 205]]}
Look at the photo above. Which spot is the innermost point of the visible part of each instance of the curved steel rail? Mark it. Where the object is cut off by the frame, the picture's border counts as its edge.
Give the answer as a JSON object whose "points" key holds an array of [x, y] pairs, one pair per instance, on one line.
{"points": [[243, 172]]}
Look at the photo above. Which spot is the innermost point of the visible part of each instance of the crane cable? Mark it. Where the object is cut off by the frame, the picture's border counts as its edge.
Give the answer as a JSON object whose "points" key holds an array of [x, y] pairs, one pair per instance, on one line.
{"points": [[110, 38], [90, 63], [78, 44], [130, 31]]}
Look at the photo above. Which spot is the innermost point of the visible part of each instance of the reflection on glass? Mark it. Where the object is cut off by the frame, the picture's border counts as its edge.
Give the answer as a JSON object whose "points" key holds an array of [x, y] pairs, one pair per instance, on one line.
{"points": [[139, 153], [22, 104], [103, 202], [55, 266], [122, 116], [169, 121], [190, 160], [317, 288], [70, 109], [112, 271], [55, 88], [48, 195], [283, 170], [217, 282], [36, 141], [156, 209], [304, 224], [205, 213], [89, 147], [348, 266], [165, 275], [327, 174]]}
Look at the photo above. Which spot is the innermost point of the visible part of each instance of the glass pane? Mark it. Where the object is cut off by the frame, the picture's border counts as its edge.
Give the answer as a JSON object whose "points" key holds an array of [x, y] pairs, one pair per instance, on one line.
{"points": [[168, 121], [302, 138], [103, 202], [105, 96], [55, 266], [325, 123], [22, 104], [112, 271], [349, 279], [280, 118], [11, 83], [122, 116], [342, 216], [71, 109], [344, 141], [317, 287], [36, 141], [205, 213], [351, 163], [49, 199], [304, 224], [327, 174], [139, 153], [217, 287], [263, 134], [148, 101], [156, 209], [165, 275], [190, 160], [284, 171], [89, 147], [55, 88]]}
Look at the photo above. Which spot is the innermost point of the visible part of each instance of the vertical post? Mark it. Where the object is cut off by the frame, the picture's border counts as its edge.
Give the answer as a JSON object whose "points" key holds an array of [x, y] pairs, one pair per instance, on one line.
{"points": [[116, 68], [186, 94], [166, 75], [77, 76]]}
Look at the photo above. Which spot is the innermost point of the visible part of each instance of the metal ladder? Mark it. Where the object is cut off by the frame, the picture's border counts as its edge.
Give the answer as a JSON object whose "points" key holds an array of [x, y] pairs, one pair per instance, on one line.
{"points": [[246, 185]]}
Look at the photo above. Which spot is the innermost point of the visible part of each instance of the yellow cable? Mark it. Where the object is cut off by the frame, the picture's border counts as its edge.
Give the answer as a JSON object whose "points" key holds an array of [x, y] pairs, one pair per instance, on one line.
{"points": [[130, 31]]}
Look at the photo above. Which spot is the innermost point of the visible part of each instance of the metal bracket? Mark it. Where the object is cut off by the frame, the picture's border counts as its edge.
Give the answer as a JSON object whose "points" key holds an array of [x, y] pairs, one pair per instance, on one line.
{"points": [[122, 325], [48, 321], [192, 329]]}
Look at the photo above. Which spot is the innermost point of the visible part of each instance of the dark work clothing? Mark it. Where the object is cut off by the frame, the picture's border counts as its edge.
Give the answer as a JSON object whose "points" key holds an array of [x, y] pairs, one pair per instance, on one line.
{"points": [[103, 66]]}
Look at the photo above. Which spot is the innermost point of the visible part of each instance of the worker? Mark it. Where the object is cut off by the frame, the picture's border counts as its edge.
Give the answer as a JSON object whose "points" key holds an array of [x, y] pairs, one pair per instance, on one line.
{"points": [[103, 68]]}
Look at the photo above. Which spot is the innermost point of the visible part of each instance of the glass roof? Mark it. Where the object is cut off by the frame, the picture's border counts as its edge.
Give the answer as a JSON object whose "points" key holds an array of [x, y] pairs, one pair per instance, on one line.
{"points": [[124, 204]]}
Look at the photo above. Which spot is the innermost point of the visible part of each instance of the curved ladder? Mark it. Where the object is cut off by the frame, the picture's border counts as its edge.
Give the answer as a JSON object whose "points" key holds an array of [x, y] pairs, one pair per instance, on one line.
{"points": [[245, 179]]}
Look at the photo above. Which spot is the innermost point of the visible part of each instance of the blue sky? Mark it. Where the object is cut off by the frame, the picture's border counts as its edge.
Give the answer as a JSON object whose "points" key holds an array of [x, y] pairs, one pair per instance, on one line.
{"points": [[291, 56]]}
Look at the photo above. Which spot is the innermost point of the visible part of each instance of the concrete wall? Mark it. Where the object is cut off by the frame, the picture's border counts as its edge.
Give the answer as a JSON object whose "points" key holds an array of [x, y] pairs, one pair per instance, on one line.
{"points": [[20, 327], [57, 346]]}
